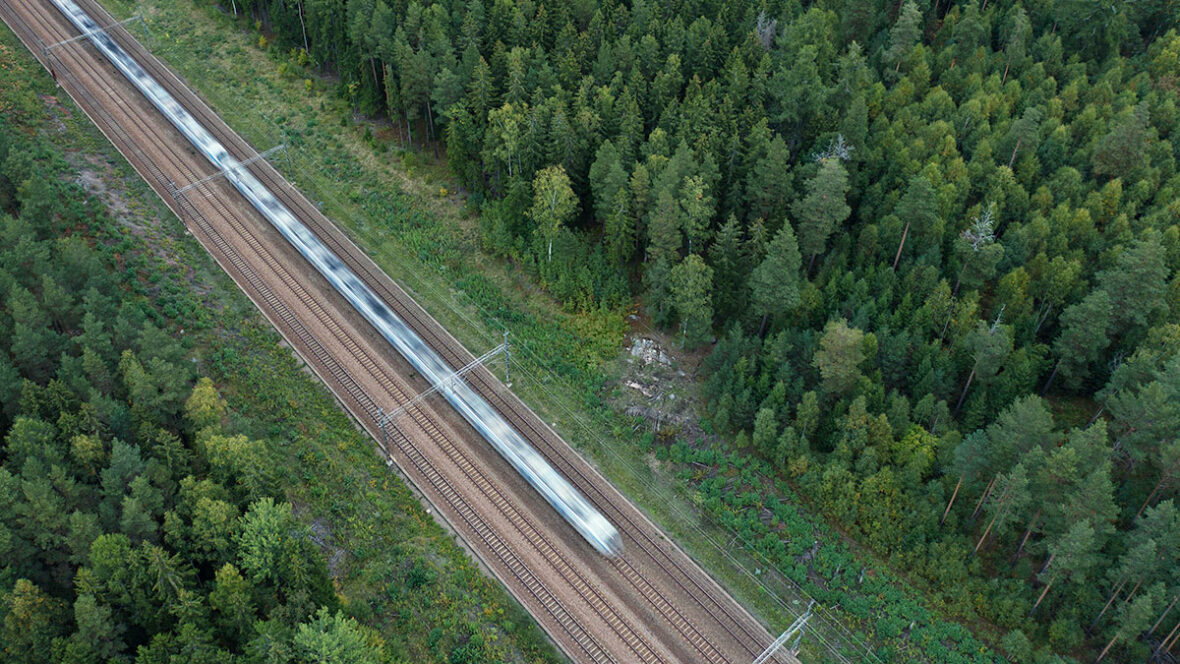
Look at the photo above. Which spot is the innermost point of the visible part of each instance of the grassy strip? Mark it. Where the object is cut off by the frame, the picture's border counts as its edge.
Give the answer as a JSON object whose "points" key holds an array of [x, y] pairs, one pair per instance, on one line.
{"points": [[394, 568]]}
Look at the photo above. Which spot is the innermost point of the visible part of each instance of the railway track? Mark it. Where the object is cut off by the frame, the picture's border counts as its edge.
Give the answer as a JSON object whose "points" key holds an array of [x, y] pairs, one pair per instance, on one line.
{"points": [[308, 343], [189, 211], [687, 580]]}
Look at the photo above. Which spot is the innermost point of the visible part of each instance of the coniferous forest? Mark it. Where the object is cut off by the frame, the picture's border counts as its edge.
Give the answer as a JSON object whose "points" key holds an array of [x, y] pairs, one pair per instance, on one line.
{"points": [[132, 521], [929, 248]]}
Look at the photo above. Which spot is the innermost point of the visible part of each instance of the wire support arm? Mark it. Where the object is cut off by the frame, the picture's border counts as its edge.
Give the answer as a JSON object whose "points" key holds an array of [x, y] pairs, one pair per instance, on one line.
{"points": [[795, 630], [240, 165], [447, 382], [47, 48]]}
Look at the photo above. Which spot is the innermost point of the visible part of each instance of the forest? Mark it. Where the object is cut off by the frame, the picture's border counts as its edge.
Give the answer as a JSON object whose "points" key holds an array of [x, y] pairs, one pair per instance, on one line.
{"points": [[133, 522], [930, 251]]}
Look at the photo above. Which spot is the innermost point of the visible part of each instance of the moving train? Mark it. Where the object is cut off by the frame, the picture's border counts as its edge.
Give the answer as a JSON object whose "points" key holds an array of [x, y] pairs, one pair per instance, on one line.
{"points": [[568, 502]]}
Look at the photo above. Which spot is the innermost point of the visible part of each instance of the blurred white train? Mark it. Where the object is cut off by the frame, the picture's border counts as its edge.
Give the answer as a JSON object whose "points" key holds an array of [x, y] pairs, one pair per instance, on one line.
{"points": [[571, 504]]}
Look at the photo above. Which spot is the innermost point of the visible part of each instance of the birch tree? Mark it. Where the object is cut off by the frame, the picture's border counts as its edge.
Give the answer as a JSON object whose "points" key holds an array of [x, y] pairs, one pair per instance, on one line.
{"points": [[554, 203]]}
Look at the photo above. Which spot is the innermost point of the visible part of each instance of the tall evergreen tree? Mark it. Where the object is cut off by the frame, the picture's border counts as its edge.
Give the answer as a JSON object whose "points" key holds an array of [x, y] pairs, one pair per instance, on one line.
{"points": [[1137, 283], [919, 209], [1083, 337], [697, 208], [822, 208], [768, 182], [1120, 153], [904, 34], [774, 283], [728, 260], [839, 356]]}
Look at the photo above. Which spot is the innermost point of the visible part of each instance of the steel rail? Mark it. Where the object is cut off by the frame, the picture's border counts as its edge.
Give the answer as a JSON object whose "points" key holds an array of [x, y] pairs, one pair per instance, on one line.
{"points": [[188, 210], [569, 503]]}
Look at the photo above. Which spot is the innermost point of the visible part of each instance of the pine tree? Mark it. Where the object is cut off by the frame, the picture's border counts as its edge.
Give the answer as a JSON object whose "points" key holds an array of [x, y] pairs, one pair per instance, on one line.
{"points": [[990, 345], [774, 283], [822, 208], [1018, 32], [839, 356], [1120, 153], [919, 209], [1008, 509], [1023, 134], [1138, 563], [904, 34], [1137, 283], [1071, 556], [1083, 337], [1134, 616], [1146, 422]]}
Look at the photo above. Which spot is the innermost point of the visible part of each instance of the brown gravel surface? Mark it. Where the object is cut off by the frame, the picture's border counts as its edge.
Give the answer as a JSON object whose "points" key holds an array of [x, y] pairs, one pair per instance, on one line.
{"points": [[652, 604]]}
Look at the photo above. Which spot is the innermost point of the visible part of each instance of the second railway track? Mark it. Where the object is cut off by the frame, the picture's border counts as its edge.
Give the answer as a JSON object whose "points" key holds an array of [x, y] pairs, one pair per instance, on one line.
{"points": [[704, 623]]}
